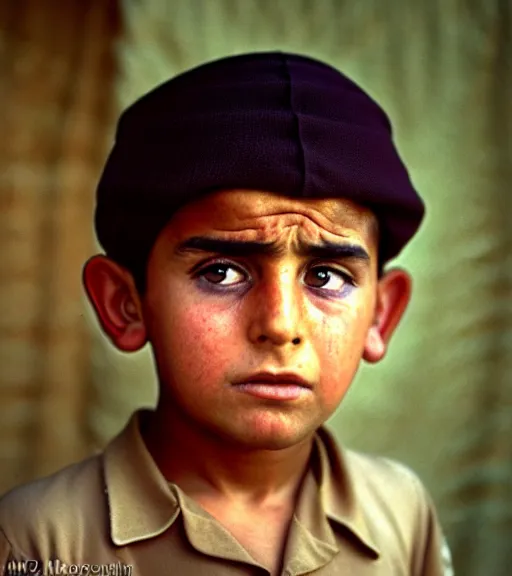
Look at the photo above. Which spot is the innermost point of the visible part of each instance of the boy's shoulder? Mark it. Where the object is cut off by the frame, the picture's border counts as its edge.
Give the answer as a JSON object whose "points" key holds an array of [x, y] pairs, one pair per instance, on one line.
{"points": [[53, 505], [387, 488], [389, 499], [377, 476], [69, 484], [371, 476]]}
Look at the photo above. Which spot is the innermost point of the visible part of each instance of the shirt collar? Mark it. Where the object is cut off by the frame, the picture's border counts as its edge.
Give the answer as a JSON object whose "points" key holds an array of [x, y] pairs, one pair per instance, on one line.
{"points": [[339, 493], [143, 505]]}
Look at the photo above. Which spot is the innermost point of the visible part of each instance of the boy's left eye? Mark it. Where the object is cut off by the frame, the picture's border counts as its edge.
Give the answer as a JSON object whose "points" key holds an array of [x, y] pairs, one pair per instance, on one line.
{"points": [[321, 277], [222, 274]]}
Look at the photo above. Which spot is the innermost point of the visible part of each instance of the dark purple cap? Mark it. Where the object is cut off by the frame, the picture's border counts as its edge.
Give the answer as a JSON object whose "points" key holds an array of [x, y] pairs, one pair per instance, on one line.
{"points": [[276, 122]]}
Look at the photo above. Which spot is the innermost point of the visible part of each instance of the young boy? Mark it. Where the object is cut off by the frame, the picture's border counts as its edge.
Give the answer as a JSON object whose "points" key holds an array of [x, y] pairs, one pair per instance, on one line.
{"points": [[246, 211]]}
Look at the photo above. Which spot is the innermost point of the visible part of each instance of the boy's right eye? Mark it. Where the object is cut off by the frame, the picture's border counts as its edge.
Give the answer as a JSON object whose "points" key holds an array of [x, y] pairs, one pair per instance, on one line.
{"points": [[222, 274]]}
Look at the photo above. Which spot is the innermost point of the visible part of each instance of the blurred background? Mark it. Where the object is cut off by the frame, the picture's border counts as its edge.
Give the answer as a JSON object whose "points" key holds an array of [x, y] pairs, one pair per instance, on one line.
{"points": [[441, 401]]}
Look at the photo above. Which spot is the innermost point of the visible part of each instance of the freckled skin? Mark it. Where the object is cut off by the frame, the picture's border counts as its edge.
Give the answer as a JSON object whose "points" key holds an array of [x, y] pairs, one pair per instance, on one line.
{"points": [[205, 339]]}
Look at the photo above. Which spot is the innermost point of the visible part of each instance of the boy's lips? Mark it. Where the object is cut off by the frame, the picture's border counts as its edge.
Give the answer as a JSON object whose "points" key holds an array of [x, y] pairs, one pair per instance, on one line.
{"points": [[275, 385], [276, 379]]}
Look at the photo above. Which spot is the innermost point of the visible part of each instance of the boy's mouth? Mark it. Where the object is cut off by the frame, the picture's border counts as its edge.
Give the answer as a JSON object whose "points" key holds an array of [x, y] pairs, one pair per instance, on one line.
{"points": [[275, 385]]}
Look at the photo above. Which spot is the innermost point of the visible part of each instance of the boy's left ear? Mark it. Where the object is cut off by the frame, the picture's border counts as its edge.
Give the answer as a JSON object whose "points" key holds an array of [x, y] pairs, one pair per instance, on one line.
{"points": [[393, 295]]}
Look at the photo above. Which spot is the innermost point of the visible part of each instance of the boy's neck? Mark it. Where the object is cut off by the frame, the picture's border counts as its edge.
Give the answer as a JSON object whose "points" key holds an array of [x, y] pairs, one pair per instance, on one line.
{"points": [[207, 468]]}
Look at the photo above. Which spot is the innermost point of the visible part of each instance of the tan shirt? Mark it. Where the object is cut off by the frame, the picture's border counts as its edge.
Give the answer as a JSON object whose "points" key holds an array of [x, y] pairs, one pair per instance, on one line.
{"points": [[356, 514]]}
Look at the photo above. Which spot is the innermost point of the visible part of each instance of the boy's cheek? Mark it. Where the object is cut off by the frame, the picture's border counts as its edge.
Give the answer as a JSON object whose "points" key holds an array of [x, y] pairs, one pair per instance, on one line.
{"points": [[206, 328], [335, 380], [339, 357], [202, 346]]}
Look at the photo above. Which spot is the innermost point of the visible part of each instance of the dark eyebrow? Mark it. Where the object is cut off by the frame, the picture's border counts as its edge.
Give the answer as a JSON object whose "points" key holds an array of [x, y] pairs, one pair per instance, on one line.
{"points": [[237, 248]]}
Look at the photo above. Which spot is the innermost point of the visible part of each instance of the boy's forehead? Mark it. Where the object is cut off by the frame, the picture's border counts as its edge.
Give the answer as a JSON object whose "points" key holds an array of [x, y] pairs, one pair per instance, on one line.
{"points": [[259, 215]]}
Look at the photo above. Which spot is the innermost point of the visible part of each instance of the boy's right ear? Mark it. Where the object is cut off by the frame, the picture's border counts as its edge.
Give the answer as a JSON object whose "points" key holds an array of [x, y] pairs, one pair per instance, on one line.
{"points": [[114, 297]]}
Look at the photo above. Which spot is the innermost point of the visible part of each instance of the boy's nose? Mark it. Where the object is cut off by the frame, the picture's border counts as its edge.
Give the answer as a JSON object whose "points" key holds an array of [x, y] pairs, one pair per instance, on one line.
{"points": [[276, 311]]}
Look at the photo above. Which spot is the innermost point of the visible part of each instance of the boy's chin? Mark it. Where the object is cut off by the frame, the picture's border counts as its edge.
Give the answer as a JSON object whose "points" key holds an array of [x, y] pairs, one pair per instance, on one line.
{"points": [[274, 438]]}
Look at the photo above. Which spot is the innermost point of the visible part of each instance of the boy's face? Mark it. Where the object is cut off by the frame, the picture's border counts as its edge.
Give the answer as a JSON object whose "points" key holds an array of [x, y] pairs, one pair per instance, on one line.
{"points": [[214, 319]]}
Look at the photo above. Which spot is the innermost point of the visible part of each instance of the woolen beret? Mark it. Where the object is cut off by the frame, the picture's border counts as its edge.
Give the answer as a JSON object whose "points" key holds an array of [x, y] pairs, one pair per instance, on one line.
{"points": [[275, 122]]}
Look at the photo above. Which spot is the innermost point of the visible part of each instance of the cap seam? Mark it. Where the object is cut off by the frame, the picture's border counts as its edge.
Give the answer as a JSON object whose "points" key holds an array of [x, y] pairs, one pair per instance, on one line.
{"points": [[296, 119]]}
